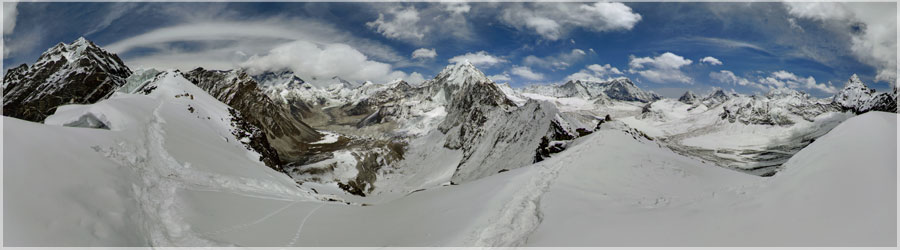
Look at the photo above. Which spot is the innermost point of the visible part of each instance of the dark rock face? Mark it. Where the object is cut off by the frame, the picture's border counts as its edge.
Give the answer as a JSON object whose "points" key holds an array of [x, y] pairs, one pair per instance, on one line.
{"points": [[688, 98], [77, 73], [289, 136], [257, 140], [886, 102], [858, 98]]}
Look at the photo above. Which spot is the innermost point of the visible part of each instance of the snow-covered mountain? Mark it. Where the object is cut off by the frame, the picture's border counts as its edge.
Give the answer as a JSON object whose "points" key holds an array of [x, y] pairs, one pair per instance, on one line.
{"points": [[621, 89], [224, 158], [284, 132], [856, 97], [688, 97], [76, 73]]}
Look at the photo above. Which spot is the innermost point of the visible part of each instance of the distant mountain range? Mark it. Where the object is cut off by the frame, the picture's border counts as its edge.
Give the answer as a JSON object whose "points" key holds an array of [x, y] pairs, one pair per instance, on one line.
{"points": [[491, 127]]}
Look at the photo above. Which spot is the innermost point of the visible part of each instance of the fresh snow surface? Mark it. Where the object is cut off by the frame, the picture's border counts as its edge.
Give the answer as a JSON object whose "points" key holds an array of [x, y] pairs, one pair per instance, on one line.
{"points": [[165, 176], [839, 191], [165, 170]]}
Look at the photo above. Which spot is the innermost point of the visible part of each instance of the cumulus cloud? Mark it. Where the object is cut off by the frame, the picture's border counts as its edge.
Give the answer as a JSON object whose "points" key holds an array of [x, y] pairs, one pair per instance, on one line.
{"points": [[660, 69], [774, 80], [871, 26], [458, 8], [711, 61], [500, 77], [10, 12], [323, 61], [424, 53], [480, 59], [781, 79], [559, 61], [552, 20], [400, 23], [527, 73], [430, 22], [728, 77], [595, 72]]}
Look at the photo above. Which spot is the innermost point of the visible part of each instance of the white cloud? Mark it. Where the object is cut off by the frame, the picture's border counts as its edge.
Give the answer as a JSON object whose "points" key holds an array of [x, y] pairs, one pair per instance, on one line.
{"points": [[604, 69], [431, 22], [871, 26], [794, 24], [415, 78], [552, 20], [661, 69], [783, 78], [725, 76], [401, 23], [774, 80], [113, 13], [323, 61], [10, 12], [711, 60], [269, 30], [595, 72], [480, 59], [500, 77], [458, 8], [216, 43], [559, 61], [424, 53], [526, 72]]}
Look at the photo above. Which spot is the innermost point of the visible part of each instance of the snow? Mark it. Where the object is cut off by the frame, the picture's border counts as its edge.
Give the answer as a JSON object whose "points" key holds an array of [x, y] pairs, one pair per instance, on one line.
{"points": [[169, 172], [327, 138], [824, 196], [167, 178]]}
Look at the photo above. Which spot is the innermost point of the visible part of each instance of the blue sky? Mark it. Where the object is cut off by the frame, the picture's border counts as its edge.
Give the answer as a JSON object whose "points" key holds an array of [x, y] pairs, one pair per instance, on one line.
{"points": [[664, 47]]}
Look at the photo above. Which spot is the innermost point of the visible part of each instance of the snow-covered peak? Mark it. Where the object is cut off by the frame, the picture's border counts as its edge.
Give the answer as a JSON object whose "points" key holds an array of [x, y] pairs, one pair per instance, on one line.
{"points": [[688, 97], [853, 94], [82, 49], [461, 73], [284, 78], [786, 92]]}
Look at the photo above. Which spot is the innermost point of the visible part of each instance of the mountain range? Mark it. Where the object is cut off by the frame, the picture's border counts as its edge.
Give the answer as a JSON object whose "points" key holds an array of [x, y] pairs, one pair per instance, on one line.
{"points": [[359, 144]]}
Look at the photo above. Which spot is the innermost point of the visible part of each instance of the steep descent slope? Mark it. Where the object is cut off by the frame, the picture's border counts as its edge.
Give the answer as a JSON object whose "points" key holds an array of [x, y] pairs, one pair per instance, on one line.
{"points": [[287, 134], [76, 73]]}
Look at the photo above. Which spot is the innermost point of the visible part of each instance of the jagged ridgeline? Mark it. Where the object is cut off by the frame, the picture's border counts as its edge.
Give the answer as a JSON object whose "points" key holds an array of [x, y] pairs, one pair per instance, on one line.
{"points": [[76, 73], [456, 127]]}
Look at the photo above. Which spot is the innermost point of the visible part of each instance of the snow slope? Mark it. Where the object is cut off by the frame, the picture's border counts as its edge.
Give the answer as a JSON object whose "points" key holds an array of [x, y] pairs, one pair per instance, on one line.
{"points": [[839, 191], [121, 183], [137, 184]]}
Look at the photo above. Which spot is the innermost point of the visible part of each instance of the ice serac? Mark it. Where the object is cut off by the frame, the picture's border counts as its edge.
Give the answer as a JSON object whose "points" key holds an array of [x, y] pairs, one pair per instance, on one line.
{"points": [[288, 135], [856, 97], [76, 73]]}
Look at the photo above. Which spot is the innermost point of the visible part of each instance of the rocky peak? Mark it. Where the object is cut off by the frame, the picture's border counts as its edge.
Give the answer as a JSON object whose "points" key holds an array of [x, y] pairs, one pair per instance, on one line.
{"points": [[284, 78], [285, 133], [76, 73], [856, 97], [461, 73], [688, 97]]}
